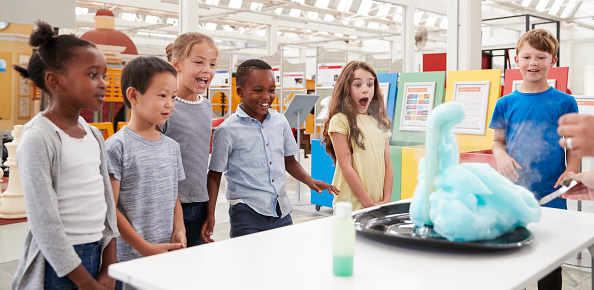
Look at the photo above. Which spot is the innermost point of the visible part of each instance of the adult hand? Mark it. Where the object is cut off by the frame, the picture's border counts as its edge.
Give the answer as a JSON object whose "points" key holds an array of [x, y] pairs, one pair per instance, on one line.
{"points": [[506, 164], [583, 190], [580, 128]]}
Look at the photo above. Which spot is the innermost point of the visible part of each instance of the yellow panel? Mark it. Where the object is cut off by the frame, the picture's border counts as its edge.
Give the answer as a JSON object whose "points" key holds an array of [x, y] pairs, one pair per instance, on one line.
{"points": [[410, 169], [15, 28], [105, 127], [309, 124], [114, 86], [494, 76], [236, 99], [5, 86]]}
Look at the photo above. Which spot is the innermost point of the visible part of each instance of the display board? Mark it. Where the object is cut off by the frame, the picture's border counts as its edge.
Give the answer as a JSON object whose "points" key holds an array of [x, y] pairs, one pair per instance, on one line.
{"points": [[389, 87], [418, 103], [474, 96], [406, 137], [493, 77], [559, 74]]}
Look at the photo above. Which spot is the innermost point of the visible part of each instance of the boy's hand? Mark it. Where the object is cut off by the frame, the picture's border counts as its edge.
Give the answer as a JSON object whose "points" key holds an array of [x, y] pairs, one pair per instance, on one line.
{"points": [[154, 249], [105, 280], [179, 237], [506, 164], [207, 229], [320, 186]]}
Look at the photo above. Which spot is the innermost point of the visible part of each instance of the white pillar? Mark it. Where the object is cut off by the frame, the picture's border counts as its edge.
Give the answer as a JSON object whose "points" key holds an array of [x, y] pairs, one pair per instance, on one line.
{"points": [[408, 36], [12, 204], [272, 39], [188, 16], [464, 35]]}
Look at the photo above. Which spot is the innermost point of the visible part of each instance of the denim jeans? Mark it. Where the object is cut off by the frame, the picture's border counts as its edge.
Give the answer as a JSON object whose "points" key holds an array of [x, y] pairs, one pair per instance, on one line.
{"points": [[90, 254], [194, 216]]}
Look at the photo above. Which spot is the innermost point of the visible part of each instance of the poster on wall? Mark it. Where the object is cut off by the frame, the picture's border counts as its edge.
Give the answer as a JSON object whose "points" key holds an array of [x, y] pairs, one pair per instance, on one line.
{"points": [[585, 105], [277, 80], [220, 79], [294, 81], [2, 65], [328, 74], [417, 104], [24, 107], [518, 83], [474, 96], [385, 89], [24, 84]]}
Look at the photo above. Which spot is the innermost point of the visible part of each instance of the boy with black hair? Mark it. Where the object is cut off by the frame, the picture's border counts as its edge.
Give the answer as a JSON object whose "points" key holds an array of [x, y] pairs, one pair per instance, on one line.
{"points": [[254, 147], [145, 166]]}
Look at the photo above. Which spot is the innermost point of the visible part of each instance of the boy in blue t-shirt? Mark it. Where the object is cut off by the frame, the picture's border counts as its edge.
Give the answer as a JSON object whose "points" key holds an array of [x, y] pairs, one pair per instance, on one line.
{"points": [[254, 147], [526, 141]]}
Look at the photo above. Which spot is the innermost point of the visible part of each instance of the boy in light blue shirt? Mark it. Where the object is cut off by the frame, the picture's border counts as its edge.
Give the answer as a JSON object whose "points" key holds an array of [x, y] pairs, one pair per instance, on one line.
{"points": [[254, 147]]}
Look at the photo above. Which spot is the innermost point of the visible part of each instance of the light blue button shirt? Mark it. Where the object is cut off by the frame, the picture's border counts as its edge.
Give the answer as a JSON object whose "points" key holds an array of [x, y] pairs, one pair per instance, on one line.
{"points": [[252, 155]]}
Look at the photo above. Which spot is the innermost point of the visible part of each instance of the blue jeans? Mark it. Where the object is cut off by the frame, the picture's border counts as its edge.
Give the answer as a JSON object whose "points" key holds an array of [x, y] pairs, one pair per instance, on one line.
{"points": [[90, 254], [194, 216]]}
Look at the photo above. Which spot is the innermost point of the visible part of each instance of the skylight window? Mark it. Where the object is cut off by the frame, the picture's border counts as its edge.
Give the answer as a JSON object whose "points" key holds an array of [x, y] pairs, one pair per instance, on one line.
{"points": [[295, 12], [431, 20], [328, 17], [556, 6], [383, 9], [569, 9], [542, 4], [526, 3], [81, 11], [278, 11], [151, 19], [235, 4], [417, 17], [444, 23], [312, 15], [210, 26], [322, 3], [343, 5], [364, 7], [173, 21], [128, 16]]}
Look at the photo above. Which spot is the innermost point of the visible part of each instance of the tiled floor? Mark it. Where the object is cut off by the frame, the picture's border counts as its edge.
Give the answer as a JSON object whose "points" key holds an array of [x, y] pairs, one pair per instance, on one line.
{"points": [[576, 273]]}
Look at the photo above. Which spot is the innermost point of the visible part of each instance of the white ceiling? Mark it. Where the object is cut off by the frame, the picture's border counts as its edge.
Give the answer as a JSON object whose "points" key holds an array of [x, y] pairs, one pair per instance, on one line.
{"points": [[242, 27]]}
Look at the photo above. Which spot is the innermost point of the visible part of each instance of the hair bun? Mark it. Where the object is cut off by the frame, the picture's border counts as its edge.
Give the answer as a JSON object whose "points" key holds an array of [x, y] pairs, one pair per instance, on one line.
{"points": [[42, 34], [169, 52]]}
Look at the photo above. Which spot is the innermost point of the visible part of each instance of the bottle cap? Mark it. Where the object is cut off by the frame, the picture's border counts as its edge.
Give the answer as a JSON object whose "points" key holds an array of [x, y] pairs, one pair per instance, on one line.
{"points": [[343, 209]]}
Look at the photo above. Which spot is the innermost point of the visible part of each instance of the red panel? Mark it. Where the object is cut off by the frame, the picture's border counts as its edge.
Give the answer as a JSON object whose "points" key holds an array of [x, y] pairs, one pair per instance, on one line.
{"points": [[486, 61], [558, 73], [434, 62], [482, 156]]}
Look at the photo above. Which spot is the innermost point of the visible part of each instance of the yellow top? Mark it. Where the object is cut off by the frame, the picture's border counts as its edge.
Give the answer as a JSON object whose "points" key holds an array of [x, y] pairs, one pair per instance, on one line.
{"points": [[369, 163]]}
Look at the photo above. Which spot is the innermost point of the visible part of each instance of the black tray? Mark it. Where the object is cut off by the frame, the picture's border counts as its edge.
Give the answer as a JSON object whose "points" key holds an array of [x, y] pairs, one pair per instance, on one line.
{"points": [[392, 223]]}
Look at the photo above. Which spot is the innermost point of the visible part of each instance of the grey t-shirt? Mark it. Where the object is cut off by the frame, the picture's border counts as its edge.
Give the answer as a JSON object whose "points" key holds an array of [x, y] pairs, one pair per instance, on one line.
{"points": [[191, 126], [149, 172]]}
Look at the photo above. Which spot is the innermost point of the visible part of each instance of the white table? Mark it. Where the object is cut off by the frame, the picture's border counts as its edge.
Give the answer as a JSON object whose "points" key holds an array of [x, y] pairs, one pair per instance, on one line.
{"points": [[253, 261]]}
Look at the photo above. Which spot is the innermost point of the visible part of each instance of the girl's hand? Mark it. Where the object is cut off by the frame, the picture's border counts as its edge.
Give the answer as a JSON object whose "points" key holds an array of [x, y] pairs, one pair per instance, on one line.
{"points": [[320, 186], [154, 249], [105, 281], [179, 237]]}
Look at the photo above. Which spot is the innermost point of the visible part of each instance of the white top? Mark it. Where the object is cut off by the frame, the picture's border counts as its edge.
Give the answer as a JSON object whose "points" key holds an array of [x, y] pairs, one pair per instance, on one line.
{"points": [[81, 200], [252, 261]]}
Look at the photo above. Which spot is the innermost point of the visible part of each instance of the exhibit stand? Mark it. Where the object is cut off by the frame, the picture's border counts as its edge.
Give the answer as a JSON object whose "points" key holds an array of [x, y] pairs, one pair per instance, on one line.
{"points": [[296, 112], [478, 91], [220, 90], [417, 95], [556, 78]]}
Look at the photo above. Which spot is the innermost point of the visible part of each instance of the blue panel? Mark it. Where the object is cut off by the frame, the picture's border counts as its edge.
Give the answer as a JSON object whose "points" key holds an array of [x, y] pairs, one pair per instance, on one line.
{"points": [[391, 78], [321, 169]]}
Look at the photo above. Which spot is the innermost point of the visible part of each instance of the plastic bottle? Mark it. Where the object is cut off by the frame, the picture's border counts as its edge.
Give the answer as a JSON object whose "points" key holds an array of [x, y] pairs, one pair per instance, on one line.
{"points": [[343, 240]]}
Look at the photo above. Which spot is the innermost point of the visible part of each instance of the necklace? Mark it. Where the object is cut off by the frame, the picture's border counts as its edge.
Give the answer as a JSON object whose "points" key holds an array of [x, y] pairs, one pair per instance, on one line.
{"points": [[189, 102]]}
